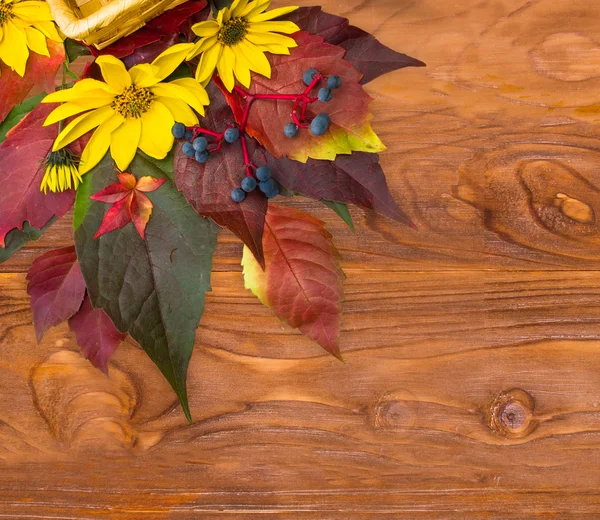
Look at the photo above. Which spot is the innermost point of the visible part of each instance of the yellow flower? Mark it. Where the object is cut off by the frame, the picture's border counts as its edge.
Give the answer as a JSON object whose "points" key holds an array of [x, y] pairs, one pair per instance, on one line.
{"points": [[23, 26], [131, 109], [236, 42], [61, 171]]}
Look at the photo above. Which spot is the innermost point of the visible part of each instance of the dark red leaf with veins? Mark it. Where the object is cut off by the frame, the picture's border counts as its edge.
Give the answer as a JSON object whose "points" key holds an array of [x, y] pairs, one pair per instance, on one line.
{"points": [[56, 288]]}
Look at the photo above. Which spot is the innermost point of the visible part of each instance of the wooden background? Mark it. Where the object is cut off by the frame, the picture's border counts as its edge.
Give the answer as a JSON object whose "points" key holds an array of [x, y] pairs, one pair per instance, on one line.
{"points": [[472, 388]]}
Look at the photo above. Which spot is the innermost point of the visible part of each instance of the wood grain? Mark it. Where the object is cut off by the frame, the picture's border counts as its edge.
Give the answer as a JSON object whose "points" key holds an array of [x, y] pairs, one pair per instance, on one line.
{"points": [[472, 382]]}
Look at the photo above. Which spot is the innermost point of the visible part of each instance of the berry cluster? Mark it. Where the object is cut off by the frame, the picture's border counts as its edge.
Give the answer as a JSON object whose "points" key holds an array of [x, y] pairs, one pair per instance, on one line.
{"points": [[320, 123], [265, 183], [197, 145]]}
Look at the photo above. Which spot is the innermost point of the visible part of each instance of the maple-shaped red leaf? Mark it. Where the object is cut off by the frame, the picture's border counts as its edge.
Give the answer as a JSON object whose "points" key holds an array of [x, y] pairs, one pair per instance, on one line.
{"points": [[350, 128], [302, 280], [96, 334], [22, 168], [207, 187], [129, 203], [40, 72], [363, 50], [357, 179], [56, 288]]}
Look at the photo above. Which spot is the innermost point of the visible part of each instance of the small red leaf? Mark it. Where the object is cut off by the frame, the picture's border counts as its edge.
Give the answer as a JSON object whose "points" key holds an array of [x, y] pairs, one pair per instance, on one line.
{"points": [[127, 180], [56, 288], [148, 184], [116, 217], [96, 334], [141, 210], [112, 193], [302, 280], [22, 158]]}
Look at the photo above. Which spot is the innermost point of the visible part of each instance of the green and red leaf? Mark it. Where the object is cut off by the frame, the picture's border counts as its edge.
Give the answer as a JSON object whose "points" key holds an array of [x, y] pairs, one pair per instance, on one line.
{"points": [[302, 279], [22, 168], [96, 334], [350, 129], [56, 288], [363, 50], [207, 187]]}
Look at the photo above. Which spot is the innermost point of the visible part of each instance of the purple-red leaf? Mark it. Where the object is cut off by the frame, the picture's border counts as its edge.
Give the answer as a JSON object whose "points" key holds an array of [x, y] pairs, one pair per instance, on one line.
{"points": [[302, 279], [22, 158], [363, 50], [356, 179], [56, 288], [96, 334], [207, 187]]}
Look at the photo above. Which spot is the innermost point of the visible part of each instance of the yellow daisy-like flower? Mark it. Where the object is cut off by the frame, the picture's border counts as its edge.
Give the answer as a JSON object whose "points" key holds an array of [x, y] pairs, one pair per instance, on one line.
{"points": [[235, 43], [23, 26], [62, 171], [131, 109]]}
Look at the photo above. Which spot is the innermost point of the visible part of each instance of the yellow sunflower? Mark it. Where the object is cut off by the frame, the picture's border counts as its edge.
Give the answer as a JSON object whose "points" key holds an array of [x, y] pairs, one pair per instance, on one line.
{"points": [[131, 109], [23, 26], [235, 43]]}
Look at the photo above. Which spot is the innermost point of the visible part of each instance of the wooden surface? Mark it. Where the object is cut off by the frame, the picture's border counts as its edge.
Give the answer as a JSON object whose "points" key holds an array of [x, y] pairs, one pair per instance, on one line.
{"points": [[472, 383]]}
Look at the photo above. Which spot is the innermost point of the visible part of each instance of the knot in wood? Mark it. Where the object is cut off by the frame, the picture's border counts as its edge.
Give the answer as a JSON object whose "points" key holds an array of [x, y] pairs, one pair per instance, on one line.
{"points": [[511, 414]]}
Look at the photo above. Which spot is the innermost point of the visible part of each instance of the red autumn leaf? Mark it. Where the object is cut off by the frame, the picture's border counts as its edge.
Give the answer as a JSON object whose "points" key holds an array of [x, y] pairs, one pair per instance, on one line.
{"points": [[56, 288], [207, 187], [350, 128], [302, 280], [129, 203], [363, 50], [22, 158], [96, 334], [40, 72], [357, 179]]}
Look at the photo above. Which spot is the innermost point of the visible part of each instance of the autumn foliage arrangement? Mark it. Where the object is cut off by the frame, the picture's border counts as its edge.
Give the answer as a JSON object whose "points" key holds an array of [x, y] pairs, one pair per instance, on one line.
{"points": [[206, 118]]}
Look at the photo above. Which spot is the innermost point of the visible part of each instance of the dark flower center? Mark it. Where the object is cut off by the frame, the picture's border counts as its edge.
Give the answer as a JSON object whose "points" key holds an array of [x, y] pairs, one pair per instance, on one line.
{"points": [[133, 101], [233, 31], [5, 12]]}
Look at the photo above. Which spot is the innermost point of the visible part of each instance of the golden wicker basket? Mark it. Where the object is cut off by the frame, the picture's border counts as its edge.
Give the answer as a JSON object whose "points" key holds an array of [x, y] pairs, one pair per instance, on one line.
{"points": [[102, 22]]}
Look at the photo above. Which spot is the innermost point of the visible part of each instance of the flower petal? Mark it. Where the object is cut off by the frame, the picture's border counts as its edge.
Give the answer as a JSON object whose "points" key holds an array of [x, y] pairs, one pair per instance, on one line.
{"points": [[81, 90], [82, 125], [225, 67], [49, 30], [205, 29], [36, 41], [32, 11], [196, 90], [157, 139], [239, 8], [144, 75], [114, 73], [273, 13], [169, 60], [280, 27], [257, 59], [254, 8], [268, 38], [208, 62], [242, 69], [76, 107], [181, 112], [203, 45], [98, 144], [124, 142], [179, 92], [13, 48], [273, 48]]}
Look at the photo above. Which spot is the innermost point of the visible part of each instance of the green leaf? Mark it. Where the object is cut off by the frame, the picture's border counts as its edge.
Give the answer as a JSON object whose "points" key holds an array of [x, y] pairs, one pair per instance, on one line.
{"points": [[341, 210], [18, 113], [82, 200], [75, 49], [152, 288], [217, 5], [17, 238], [165, 165]]}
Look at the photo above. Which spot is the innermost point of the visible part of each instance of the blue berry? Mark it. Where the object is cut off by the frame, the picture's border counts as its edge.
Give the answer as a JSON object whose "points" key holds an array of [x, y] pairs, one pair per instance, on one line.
{"points": [[334, 81], [202, 156], [325, 94], [238, 195], [267, 186], [232, 135], [249, 184], [178, 130], [274, 192], [320, 124], [309, 75], [200, 144], [263, 173], [189, 135], [290, 130], [188, 149]]}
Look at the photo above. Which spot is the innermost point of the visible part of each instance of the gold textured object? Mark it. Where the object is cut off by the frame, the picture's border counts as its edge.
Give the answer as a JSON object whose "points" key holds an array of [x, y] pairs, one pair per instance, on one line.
{"points": [[102, 22]]}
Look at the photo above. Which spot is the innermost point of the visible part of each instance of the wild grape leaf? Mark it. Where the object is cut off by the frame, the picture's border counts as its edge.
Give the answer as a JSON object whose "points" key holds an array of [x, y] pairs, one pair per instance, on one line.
{"points": [[356, 179], [96, 334], [152, 288], [363, 50], [350, 129], [40, 72], [341, 210], [302, 280], [17, 238], [55, 287], [21, 171], [207, 187]]}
